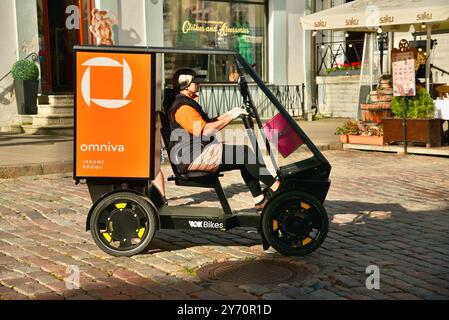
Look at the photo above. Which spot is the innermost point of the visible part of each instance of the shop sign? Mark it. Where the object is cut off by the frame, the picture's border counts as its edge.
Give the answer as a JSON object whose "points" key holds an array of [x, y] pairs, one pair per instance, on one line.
{"points": [[352, 22], [320, 24], [386, 19], [424, 16], [221, 28]]}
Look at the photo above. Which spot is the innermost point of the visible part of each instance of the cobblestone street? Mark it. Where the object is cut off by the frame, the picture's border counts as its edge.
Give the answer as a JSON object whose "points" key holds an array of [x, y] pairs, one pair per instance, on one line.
{"points": [[385, 210]]}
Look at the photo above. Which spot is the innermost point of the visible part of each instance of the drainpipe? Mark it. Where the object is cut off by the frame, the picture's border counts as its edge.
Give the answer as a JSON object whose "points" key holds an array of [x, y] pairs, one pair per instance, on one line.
{"points": [[82, 29], [390, 48], [428, 50]]}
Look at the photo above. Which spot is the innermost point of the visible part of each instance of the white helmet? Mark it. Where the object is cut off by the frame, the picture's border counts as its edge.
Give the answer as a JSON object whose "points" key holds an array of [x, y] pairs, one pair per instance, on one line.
{"points": [[184, 77]]}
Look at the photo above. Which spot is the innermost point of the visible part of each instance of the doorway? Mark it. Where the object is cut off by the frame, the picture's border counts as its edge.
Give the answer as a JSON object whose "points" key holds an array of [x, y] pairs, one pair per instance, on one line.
{"points": [[56, 43]]}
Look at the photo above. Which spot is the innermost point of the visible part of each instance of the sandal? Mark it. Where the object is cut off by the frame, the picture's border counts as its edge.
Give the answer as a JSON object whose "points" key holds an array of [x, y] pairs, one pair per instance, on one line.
{"points": [[270, 193], [261, 205]]}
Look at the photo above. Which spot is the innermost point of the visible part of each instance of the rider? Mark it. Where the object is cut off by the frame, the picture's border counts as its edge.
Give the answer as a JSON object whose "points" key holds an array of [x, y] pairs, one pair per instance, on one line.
{"points": [[199, 150]]}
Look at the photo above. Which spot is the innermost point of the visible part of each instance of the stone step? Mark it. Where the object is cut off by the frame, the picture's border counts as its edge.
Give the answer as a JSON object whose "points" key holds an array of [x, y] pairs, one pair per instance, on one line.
{"points": [[48, 109], [13, 129], [53, 119], [22, 119], [49, 130], [56, 99]]}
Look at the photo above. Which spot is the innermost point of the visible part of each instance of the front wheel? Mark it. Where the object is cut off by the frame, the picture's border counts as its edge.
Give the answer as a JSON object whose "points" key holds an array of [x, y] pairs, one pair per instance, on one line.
{"points": [[123, 224], [295, 223]]}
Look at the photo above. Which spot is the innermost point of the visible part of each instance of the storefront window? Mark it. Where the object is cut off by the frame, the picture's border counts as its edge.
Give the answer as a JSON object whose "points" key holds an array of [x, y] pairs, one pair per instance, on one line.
{"points": [[237, 25]]}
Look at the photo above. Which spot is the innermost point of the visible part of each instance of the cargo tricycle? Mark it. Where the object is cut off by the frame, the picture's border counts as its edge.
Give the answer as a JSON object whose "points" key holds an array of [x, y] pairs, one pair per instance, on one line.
{"points": [[120, 122]]}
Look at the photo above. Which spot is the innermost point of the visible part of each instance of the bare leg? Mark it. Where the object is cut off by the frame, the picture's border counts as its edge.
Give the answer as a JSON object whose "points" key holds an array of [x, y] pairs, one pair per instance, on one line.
{"points": [[160, 183], [275, 186]]}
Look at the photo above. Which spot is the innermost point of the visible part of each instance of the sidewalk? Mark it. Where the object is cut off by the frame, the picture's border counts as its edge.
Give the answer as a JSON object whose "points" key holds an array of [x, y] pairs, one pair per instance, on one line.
{"points": [[22, 155]]}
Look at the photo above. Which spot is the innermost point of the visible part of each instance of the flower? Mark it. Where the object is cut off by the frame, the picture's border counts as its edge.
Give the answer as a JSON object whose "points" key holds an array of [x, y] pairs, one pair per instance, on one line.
{"points": [[344, 66], [357, 128]]}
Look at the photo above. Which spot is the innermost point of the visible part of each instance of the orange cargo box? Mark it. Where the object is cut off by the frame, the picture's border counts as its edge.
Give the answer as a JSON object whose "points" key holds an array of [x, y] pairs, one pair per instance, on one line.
{"points": [[115, 106]]}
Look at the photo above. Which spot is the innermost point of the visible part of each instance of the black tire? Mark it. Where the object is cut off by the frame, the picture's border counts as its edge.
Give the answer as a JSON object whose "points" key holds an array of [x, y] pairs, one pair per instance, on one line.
{"points": [[125, 215], [295, 223]]}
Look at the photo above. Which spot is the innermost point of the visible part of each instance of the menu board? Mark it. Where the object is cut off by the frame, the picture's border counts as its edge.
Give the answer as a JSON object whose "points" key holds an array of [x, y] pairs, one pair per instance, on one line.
{"points": [[404, 72]]}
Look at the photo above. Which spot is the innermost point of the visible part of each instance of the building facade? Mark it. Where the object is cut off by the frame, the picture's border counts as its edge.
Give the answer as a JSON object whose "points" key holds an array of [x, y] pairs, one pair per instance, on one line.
{"points": [[266, 32]]}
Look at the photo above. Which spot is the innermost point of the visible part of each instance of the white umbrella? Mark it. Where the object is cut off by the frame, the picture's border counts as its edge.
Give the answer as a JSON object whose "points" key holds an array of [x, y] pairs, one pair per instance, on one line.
{"points": [[391, 15]]}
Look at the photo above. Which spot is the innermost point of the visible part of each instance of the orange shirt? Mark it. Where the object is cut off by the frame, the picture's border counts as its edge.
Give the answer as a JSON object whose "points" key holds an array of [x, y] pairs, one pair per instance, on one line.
{"points": [[190, 120]]}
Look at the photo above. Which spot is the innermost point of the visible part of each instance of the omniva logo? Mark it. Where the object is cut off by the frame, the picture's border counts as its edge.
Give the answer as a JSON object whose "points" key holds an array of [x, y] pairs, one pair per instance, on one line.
{"points": [[102, 148], [111, 63]]}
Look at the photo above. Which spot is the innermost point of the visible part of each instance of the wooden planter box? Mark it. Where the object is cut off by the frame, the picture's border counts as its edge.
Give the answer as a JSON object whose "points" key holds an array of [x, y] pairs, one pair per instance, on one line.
{"points": [[385, 91], [425, 131], [375, 112], [376, 141], [376, 106], [381, 97]]}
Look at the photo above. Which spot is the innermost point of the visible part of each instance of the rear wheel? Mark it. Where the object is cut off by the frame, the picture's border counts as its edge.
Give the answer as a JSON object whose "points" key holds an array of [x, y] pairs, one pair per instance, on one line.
{"points": [[295, 223], [123, 224]]}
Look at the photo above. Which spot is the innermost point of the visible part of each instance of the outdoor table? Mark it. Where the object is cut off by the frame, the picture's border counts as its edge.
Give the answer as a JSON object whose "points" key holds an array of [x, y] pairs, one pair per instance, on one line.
{"points": [[442, 109]]}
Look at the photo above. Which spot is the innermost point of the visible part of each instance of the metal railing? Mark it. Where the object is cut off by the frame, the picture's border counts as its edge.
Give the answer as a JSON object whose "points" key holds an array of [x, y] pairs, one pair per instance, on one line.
{"points": [[330, 54], [34, 56], [218, 99], [439, 69]]}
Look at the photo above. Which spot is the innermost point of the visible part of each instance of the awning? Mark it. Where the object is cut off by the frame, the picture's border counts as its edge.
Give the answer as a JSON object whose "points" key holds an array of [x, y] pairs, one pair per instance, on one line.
{"points": [[391, 15]]}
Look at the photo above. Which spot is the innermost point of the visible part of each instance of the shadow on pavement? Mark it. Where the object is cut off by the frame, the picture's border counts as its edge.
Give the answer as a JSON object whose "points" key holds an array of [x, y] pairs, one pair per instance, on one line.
{"points": [[358, 233], [407, 245]]}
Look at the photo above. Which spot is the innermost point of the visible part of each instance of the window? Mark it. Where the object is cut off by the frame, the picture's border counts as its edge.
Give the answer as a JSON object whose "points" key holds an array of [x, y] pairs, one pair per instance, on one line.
{"points": [[237, 25]]}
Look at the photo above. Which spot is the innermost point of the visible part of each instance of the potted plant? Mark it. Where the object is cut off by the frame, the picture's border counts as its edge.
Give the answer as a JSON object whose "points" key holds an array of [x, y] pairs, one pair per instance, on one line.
{"points": [[342, 133], [344, 69], [375, 112], [355, 132], [26, 74], [373, 135], [350, 127], [422, 127]]}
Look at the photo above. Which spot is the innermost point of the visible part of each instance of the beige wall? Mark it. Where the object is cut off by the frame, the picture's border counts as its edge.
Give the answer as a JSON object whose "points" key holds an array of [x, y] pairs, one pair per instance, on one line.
{"points": [[296, 44], [8, 55], [287, 42], [132, 23], [140, 21], [338, 96]]}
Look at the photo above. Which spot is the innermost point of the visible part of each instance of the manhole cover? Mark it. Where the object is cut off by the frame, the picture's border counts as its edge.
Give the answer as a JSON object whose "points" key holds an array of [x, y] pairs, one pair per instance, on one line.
{"points": [[253, 272]]}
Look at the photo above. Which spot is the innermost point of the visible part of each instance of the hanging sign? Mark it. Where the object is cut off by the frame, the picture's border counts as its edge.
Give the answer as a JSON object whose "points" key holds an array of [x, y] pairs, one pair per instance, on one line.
{"points": [[404, 71]]}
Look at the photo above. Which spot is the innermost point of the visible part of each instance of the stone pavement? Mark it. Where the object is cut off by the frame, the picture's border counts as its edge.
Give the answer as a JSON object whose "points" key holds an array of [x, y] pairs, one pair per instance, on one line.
{"points": [[385, 210]]}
